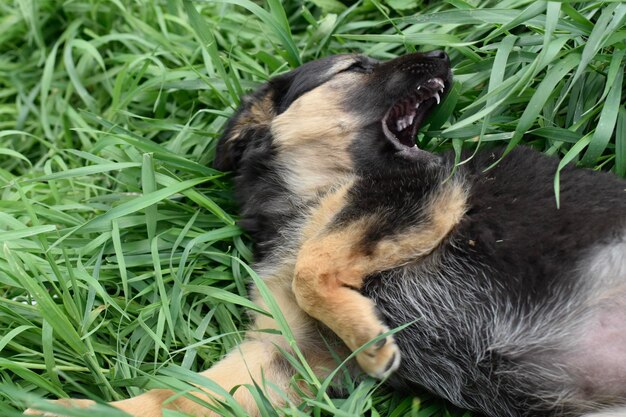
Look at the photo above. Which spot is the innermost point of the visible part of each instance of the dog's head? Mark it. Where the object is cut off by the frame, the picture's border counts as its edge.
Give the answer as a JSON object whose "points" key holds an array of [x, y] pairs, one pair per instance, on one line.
{"points": [[335, 115]]}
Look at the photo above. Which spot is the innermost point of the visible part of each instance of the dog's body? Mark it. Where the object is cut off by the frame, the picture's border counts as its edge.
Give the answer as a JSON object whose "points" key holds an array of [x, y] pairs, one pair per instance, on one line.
{"points": [[522, 311], [517, 308]]}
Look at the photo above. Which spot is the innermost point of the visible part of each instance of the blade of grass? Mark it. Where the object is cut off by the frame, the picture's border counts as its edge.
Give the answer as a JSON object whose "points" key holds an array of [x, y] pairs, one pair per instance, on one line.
{"points": [[606, 124]]}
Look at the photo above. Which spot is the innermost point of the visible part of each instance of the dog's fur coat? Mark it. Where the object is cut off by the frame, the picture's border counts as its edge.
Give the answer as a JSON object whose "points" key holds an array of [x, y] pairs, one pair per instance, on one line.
{"points": [[517, 307]]}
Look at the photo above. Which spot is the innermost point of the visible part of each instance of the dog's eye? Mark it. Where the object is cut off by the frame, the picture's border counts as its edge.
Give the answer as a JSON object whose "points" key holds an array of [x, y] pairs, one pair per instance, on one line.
{"points": [[358, 66]]}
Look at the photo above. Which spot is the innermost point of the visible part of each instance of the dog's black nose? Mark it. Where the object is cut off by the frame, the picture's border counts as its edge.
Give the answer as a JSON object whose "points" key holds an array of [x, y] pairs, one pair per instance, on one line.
{"points": [[437, 55]]}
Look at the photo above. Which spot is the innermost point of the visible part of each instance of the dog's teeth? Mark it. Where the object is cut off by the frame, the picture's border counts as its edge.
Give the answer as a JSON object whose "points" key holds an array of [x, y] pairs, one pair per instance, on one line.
{"points": [[439, 82], [419, 87], [417, 106], [407, 120], [436, 96]]}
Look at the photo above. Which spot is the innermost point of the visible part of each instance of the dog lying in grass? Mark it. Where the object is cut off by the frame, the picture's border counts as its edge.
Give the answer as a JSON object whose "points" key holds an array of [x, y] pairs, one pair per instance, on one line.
{"points": [[514, 307]]}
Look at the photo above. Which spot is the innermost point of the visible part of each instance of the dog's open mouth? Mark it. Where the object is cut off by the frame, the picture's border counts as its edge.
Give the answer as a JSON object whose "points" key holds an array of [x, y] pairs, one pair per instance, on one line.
{"points": [[405, 117]]}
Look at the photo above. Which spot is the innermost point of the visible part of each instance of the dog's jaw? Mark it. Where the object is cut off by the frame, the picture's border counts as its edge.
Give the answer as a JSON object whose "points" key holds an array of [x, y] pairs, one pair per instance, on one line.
{"points": [[402, 121]]}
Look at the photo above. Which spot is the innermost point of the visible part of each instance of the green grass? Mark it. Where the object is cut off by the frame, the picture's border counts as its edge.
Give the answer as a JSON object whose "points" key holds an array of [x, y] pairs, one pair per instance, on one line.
{"points": [[121, 266]]}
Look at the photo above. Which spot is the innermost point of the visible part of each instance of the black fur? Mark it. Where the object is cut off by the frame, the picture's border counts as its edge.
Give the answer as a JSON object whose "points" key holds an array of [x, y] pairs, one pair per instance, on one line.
{"points": [[259, 217], [514, 255], [494, 304]]}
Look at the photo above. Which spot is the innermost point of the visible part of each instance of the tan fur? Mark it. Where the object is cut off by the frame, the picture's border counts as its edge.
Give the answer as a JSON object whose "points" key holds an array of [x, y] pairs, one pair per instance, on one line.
{"points": [[260, 113], [313, 137], [332, 264], [328, 208], [257, 359]]}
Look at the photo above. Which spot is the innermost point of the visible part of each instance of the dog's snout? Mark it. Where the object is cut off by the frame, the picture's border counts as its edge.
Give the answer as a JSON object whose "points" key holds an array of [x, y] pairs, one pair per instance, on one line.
{"points": [[441, 55]]}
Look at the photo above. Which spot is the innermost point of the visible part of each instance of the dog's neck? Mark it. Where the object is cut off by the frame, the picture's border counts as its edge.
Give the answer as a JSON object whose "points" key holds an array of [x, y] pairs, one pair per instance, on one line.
{"points": [[275, 200]]}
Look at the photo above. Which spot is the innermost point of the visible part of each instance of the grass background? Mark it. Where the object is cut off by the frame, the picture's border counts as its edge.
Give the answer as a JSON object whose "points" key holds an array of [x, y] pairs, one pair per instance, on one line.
{"points": [[121, 266]]}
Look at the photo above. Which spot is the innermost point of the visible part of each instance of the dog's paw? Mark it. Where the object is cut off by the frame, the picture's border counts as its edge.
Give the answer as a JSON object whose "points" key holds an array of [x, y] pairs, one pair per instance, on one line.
{"points": [[65, 402], [381, 358]]}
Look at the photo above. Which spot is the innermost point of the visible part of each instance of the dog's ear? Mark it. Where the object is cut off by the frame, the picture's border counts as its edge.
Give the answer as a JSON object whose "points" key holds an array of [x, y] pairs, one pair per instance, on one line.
{"points": [[250, 122], [250, 125], [230, 146]]}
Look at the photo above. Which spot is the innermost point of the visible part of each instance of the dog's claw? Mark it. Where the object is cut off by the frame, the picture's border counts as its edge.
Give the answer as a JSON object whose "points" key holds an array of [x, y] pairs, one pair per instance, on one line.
{"points": [[380, 359]]}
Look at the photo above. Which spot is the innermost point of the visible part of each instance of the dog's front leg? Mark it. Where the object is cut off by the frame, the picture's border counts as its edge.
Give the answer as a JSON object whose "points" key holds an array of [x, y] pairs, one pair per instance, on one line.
{"points": [[326, 286], [256, 360], [252, 361], [336, 256]]}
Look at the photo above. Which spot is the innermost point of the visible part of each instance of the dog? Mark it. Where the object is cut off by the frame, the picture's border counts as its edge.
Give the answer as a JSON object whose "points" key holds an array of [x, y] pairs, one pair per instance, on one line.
{"points": [[511, 306]]}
